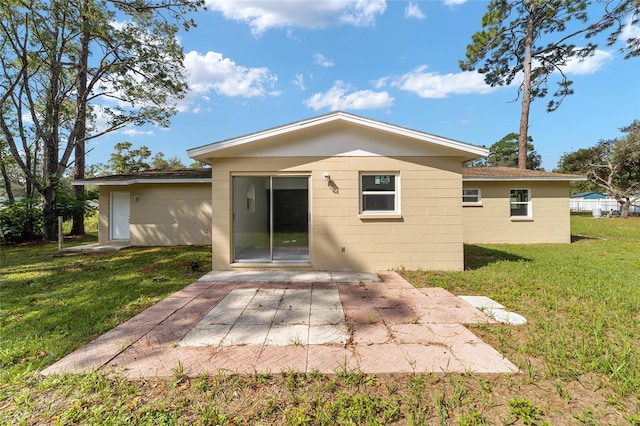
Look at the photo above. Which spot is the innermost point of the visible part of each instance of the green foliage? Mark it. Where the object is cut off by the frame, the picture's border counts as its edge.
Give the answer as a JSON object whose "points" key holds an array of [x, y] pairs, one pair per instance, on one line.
{"points": [[513, 29], [612, 165], [128, 160], [504, 153], [158, 162], [21, 220], [64, 60], [67, 204], [49, 306], [522, 409]]}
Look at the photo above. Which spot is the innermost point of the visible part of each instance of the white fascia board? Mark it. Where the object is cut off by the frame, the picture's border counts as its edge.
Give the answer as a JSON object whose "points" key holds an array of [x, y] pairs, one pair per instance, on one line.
{"points": [[202, 151], [135, 181]]}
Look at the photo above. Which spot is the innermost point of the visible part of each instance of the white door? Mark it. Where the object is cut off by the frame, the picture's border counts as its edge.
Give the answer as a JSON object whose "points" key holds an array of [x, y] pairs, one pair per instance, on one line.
{"points": [[119, 220]]}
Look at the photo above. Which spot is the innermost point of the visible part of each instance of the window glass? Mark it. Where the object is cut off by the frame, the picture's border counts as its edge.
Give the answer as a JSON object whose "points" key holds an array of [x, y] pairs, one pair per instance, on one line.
{"points": [[471, 196], [379, 193], [520, 203]]}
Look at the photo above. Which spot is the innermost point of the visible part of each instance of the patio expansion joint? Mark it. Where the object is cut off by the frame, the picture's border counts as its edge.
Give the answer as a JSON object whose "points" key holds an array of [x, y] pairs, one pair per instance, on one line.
{"points": [[123, 348]]}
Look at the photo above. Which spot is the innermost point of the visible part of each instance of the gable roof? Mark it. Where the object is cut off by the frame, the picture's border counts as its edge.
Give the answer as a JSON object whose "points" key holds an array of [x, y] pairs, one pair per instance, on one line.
{"points": [[230, 147], [511, 173], [202, 175]]}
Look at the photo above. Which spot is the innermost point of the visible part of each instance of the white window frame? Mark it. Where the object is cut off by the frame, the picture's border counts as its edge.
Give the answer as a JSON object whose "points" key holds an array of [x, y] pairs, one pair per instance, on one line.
{"points": [[528, 203], [396, 194], [477, 202]]}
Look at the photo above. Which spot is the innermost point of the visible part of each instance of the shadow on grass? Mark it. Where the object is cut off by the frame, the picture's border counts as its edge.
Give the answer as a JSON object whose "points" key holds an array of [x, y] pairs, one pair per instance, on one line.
{"points": [[476, 257], [576, 238]]}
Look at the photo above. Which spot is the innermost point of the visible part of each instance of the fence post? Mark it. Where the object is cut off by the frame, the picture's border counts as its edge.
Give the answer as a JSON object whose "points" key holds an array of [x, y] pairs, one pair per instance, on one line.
{"points": [[60, 234]]}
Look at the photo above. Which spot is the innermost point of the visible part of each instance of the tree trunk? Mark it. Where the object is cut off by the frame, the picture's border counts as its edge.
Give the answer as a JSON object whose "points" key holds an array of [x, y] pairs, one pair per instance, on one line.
{"points": [[7, 181], [526, 92], [80, 129], [51, 138], [625, 203], [49, 213]]}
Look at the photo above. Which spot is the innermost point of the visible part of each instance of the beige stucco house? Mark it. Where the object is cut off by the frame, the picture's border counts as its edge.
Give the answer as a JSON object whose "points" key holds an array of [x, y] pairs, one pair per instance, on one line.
{"points": [[336, 192], [155, 208]]}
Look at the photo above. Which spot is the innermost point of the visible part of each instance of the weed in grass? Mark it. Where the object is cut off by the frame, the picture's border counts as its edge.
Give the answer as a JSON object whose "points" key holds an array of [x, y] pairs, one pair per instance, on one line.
{"points": [[315, 374], [524, 410], [471, 418], [211, 415], [261, 378], [202, 382], [417, 401], [391, 387], [355, 377], [586, 418], [293, 379], [179, 375], [632, 419], [298, 416], [360, 409], [442, 411], [459, 392], [349, 328], [562, 391]]}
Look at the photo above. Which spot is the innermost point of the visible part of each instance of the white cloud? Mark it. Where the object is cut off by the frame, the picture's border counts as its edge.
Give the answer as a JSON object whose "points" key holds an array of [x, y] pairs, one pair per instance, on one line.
{"points": [[136, 132], [588, 65], [630, 30], [412, 10], [363, 13], [213, 72], [337, 98], [434, 85], [299, 82], [322, 60], [380, 82], [453, 2], [263, 15]]}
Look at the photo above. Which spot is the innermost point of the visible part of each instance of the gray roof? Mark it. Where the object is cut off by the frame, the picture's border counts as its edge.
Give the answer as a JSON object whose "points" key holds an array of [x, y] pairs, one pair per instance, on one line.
{"points": [[202, 175]]}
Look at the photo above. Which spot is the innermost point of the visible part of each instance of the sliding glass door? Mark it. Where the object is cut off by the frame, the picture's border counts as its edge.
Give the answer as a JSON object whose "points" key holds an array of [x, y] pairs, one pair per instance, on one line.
{"points": [[271, 219]]}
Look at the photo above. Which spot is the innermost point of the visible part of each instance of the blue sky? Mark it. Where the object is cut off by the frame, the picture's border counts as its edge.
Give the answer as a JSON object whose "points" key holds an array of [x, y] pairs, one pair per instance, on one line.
{"points": [[257, 64]]}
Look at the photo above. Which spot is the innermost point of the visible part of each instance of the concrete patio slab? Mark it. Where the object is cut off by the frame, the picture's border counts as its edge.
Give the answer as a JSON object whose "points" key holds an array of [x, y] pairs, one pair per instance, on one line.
{"points": [[494, 310], [250, 322], [94, 248]]}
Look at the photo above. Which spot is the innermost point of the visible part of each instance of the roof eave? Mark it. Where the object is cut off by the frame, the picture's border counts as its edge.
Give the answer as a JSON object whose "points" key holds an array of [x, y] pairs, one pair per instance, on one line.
{"points": [[114, 182], [523, 178]]}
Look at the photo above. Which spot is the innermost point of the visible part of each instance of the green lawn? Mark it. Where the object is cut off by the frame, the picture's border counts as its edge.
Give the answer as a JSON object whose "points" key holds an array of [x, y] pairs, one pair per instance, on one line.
{"points": [[578, 353]]}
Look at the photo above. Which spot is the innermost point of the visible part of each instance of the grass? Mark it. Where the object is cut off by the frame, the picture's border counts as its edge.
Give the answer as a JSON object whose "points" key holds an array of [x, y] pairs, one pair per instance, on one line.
{"points": [[578, 353]]}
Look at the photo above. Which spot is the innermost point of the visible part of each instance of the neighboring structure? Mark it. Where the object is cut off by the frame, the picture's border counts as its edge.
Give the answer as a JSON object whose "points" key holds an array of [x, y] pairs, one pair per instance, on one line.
{"points": [[337, 192], [588, 196], [599, 204], [155, 208]]}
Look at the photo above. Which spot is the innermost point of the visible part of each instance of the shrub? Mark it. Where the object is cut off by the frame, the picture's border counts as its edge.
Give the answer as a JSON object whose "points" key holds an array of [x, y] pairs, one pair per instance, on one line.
{"points": [[21, 220]]}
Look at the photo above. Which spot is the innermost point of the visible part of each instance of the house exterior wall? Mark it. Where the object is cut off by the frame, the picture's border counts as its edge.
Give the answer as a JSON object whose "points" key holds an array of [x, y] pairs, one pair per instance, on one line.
{"points": [[426, 234], [163, 215], [490, 222]]}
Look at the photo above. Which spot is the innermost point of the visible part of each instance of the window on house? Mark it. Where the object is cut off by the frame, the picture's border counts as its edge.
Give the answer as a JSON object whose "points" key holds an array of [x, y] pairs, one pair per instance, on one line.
{"points": [[520, 203], [471, 196], [379, 193]]}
